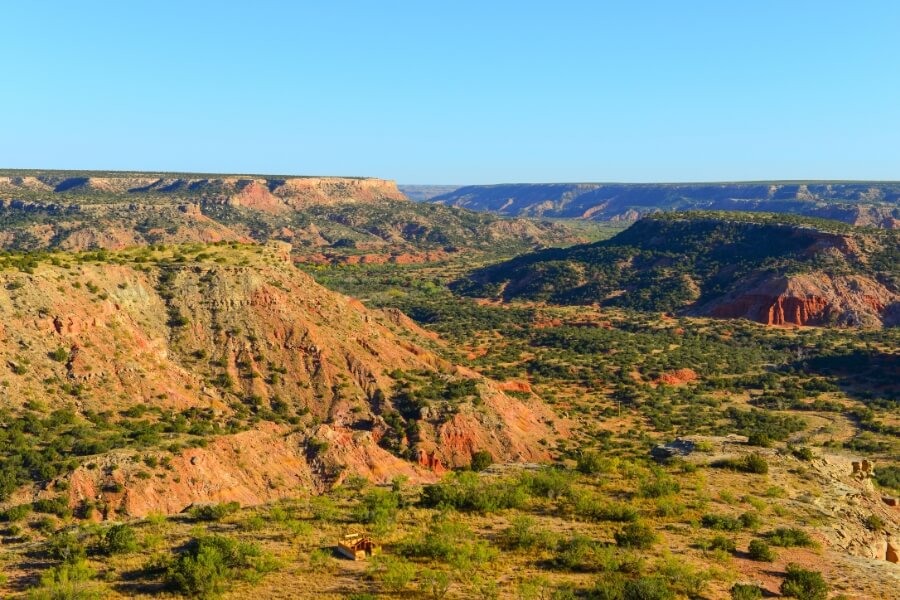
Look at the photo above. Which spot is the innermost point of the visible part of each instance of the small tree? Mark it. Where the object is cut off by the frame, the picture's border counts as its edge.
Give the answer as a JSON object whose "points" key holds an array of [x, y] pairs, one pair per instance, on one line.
{"points": [[393, 573], [636, 535], [119, 539], [481, 460], [590, 463], [435, 583]]}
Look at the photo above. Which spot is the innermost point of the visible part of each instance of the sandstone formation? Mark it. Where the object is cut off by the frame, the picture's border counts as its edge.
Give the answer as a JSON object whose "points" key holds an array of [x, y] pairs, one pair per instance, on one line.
{"points": [[810, 299], [677, 377]]}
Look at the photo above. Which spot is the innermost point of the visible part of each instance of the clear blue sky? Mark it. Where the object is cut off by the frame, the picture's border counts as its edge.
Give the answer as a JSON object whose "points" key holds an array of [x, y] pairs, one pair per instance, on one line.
{"points": [[456, 91]]}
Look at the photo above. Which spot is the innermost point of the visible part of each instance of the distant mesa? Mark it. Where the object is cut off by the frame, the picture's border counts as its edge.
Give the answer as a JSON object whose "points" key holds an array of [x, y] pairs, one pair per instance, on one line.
{"points": [[874, 204], [355, 216]]}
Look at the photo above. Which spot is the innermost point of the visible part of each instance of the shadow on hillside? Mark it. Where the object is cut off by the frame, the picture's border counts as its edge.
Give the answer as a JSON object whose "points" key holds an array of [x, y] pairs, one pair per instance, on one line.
{"points": [[863, 374]]}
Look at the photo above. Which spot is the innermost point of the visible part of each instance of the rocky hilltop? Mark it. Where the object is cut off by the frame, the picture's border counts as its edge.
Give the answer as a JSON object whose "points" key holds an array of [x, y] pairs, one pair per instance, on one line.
{"points": [[83, 210], [771, 269], [860, 203], [236, 376]]}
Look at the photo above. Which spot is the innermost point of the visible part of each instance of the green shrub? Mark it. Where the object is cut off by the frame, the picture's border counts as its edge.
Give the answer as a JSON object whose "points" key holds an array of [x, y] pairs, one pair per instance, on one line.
{"points": [[60, 355], [803, 453], [790, 537], [760, 551], [746, 591], [481, 460], [581, 553], [450, 541], [721, 523], [749, 463], [804, 585], [669, 507], [58, 506], [657, 487], [591, 463], [324, 509], [647, 588], [119, 539], [15, 513], [608, 588], [66, 546], [547, 483], [522, 534], [68, 581], [681, 578], [874, 523], [379, 508], [750, 520], [759, 439], [597, 509], [720, 542], [320, 561], [434, 583], [467, 491], [888, 476], [395, 574], [636, 535], [214, 512], [210, 564]]}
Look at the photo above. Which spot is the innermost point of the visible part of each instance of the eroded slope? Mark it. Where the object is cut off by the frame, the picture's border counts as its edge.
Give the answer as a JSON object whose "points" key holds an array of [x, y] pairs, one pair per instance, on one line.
{"points": [[240, 374]]}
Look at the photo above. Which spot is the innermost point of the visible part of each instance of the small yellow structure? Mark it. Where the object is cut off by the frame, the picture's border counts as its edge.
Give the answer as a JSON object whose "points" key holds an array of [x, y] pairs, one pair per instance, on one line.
{"points": [[358, 546]]}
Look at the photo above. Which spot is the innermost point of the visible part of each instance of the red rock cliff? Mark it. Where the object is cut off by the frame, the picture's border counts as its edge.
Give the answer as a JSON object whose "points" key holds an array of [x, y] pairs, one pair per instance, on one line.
{"points": [[813, 299]]}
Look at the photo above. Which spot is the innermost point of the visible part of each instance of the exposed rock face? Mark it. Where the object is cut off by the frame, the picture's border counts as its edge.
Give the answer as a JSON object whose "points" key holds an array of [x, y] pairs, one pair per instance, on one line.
{"points": [[812, 299], [522, 387], [892, 552], [272, 334], [849, 498], [678, 377]]}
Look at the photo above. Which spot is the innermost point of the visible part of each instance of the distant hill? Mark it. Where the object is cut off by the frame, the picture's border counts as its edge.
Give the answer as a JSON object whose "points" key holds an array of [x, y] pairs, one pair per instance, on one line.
{"points": [[861, 203], [775, 269], [423, 193], [327, 215]]}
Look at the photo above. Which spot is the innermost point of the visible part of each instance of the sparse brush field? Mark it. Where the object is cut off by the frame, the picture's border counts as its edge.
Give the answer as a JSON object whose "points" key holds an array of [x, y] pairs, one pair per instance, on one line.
{"points": [[628, 528], [775, 510]]}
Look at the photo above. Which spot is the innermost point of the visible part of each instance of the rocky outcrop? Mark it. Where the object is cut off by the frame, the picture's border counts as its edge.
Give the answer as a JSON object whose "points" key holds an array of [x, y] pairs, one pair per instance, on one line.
{"points": [[677, 377], [848, 501], [810, 299]]}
